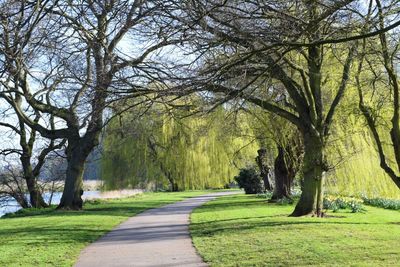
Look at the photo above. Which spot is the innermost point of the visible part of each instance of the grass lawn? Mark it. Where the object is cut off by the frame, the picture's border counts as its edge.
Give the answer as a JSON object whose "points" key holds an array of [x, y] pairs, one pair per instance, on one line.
{"points": [[55, 238], [246, 231]]}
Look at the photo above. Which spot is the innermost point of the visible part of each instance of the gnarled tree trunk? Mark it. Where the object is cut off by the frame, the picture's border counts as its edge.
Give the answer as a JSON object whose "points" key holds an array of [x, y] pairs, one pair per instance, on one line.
{"points": [[264, 168], [21, 200], [283, 180]]}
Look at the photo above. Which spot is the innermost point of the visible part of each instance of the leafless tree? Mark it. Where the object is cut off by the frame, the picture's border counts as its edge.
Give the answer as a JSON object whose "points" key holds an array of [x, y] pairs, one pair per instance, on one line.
{"points": [[68, 61], [32, 156], [12, 185]]}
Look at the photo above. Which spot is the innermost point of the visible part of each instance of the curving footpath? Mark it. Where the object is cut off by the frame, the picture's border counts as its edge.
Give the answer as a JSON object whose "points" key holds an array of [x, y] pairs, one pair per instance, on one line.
{"points": [[156, 237]]}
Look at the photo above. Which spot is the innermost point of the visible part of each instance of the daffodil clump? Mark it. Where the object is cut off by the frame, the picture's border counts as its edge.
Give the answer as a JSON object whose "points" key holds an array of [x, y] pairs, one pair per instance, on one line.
{"points": [[391, 204], [336, 203]]}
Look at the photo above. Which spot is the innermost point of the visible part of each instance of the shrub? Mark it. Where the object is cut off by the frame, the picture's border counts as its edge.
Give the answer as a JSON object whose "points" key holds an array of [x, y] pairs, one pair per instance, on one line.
{"points": [[250, 181]]}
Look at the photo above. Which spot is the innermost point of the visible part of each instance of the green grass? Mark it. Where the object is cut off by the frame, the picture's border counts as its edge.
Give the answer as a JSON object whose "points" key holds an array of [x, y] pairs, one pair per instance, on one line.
{"points": [[246, 231], [55, 238]]}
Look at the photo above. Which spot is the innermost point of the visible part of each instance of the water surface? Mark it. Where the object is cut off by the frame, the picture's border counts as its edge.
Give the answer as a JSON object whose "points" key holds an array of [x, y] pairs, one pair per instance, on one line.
{"points": [[10, 205]]}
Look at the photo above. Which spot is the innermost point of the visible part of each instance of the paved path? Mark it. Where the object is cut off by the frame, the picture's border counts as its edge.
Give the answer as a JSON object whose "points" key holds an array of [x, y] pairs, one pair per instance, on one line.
{"points": [[156, 237]]}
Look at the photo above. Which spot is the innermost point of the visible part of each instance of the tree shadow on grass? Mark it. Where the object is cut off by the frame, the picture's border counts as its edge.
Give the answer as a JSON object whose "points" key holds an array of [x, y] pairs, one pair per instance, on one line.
{"points": [[231, 203], [240, 224], [251, 222], [239, 204], [125, 209], [45, 235]]}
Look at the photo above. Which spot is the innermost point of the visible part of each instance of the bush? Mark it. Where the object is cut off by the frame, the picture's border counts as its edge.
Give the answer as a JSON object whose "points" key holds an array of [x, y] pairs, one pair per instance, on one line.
{"points": [[390, 204], [250, 181]]}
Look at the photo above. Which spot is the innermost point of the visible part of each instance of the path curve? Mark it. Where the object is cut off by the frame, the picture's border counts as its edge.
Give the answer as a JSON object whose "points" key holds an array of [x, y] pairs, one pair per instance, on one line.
{"points": [[156, 237]]}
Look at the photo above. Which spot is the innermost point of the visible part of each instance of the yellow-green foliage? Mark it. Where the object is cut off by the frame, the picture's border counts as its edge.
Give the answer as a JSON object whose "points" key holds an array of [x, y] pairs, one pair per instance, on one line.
{"points": [[357, 171], [196, 152], [121, 150], [352, 151]]}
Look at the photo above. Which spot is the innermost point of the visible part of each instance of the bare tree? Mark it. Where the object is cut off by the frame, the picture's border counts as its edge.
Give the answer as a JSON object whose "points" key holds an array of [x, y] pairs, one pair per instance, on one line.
{"points": [[31, 161], [12, 185], [70, 60], [13, 38]]}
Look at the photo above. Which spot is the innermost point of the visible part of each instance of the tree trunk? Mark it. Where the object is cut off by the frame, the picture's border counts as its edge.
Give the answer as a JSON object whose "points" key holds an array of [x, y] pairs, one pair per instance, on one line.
{"points": [[35, 195], [314, 167], [72, 194], [283, 179], [21, 200], [77, 152], [264, 168], [174, 185]]}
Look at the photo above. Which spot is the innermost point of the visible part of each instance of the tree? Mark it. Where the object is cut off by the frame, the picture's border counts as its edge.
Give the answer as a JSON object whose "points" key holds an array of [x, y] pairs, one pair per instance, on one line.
{"points": [[69, 61], [287, 165], [177, 149], [12, 185], [264, 168], [31, 166], [385, 92], [27, 137], [273, 54], [284, 143]]}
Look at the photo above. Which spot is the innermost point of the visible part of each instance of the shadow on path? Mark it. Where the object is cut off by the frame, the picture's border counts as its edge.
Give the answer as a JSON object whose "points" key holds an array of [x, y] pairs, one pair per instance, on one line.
{"points": [[156, 237]]}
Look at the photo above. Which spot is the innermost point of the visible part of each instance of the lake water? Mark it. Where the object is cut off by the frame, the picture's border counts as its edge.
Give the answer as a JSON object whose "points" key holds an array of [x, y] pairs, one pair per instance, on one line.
{"points": [[12, 206]]}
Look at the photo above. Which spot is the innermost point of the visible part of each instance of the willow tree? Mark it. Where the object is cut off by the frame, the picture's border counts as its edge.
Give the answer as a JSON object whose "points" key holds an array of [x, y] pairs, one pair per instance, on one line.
{"points": [[273, 54], [283, 143], [69, 59], [378, 85], [174, 149]]}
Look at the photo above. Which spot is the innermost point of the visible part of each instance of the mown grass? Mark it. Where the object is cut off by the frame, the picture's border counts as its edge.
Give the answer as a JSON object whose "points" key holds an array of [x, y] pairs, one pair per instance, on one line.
{"points": [[246, 231], [54, 238]]}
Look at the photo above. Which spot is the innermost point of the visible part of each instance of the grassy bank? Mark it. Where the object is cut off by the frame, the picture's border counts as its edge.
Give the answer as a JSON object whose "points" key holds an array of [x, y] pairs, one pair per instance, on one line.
{"points": [[55, 238], [246, 231]]}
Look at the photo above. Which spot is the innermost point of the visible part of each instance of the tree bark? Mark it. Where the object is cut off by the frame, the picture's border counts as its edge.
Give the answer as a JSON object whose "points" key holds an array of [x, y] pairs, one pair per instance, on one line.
{"points": [[72, 193], [174, 187], [314, 167], [283, 179], [77, 152], [35, 195], [264, 168]]}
